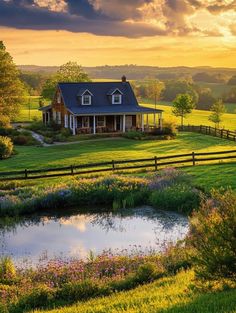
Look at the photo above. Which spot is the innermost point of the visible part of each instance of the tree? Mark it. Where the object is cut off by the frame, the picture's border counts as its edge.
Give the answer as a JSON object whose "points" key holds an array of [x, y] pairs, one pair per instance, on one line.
{"points": [[183, 105], [218, 109], [69, 72], [175, 87], [11, 88], [206, 99]]}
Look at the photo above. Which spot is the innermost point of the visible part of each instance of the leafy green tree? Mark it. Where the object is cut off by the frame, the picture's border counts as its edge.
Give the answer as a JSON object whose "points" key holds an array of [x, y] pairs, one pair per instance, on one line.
{"points": [[218, 109], [182, 106], [175, 87], [12, 90], [69, 72]]}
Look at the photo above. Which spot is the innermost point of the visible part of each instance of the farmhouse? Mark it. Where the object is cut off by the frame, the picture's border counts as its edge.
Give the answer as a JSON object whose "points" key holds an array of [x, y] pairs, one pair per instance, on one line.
{"points": [[97, 107]]}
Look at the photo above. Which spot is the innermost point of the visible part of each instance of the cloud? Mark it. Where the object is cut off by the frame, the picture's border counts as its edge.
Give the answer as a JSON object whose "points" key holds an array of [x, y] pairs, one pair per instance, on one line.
{"points": [[132, 19], [233, 29], [25, 15]]}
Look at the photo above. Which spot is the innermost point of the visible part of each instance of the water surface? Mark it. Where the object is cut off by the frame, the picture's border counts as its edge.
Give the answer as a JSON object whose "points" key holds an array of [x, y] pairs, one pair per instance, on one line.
{"points": [[75, 234]]}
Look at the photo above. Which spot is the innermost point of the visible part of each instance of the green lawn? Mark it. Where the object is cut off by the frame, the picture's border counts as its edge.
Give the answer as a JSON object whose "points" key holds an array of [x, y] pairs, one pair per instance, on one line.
{"points": [[197, 117], [114, 149], [167, 295], [118, 149]]}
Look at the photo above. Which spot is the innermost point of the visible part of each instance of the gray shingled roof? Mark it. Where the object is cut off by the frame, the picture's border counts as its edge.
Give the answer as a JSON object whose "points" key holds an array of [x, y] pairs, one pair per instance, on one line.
{"points": [[101, 103]]}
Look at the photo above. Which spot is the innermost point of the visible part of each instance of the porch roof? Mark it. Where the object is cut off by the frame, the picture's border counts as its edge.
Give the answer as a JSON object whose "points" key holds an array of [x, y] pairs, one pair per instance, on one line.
{"points": [[46, 108], [112, 110]]}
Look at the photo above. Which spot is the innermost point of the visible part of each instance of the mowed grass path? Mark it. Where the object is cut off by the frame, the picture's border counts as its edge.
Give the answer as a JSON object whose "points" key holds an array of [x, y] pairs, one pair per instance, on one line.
{"points": [[167, 295], [107, 150], [197, 117]]}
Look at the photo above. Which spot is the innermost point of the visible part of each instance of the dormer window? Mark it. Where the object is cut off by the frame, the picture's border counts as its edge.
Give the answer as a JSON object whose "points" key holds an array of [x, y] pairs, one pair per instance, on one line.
{"points": [[86, 100], [84, 97], [116, 99]]}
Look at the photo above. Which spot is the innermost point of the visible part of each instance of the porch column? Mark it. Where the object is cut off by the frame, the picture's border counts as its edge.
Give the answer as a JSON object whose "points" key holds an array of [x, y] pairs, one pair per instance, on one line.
{"points": [[124, 123], [115, 123], [73, 125], [94, 124], [142, 122], [44, 118]]}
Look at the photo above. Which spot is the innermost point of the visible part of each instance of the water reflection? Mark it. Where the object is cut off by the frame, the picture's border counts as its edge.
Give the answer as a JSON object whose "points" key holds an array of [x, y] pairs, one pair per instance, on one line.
{"points": [[75, 234]]}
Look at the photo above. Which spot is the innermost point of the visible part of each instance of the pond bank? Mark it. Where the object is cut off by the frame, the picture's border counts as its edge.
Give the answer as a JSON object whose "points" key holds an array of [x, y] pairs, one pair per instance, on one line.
{"points": [[169, 189]]}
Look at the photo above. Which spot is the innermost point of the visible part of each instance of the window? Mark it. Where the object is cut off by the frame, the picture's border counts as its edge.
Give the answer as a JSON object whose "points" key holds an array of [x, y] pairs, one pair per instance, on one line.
{"points": [[66, 121], [101, 121], [86, 100], [58, 117], [116, 99], [85, 122]]}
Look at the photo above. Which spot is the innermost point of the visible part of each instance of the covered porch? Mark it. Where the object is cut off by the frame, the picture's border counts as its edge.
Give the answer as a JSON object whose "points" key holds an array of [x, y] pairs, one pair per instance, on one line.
{"points": [[97, 123]]}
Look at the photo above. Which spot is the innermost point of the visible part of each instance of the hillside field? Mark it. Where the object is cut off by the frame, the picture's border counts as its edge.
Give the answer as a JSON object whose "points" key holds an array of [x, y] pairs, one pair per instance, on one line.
{"points": [[167, 295]]}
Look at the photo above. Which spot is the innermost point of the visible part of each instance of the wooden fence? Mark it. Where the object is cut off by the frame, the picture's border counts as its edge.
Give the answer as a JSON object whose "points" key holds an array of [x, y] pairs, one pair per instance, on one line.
{"points": [[154, 163], [212, 131]]}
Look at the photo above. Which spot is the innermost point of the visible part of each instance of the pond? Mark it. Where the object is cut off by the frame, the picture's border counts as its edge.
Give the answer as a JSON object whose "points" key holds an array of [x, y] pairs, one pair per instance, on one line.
{"points": [[76, 233]]}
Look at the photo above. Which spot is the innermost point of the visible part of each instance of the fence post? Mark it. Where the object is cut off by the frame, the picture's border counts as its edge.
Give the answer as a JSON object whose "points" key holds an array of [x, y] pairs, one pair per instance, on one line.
{"points": [[221, 133], [155, 158], [72, 170], [193, 157], [26, 173], [200, 128], [113, 165], [227, 134]]}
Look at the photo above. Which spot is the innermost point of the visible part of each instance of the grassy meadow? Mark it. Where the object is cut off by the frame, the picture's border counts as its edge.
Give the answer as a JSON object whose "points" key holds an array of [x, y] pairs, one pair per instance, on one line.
{"points": [[32, 157], [167, 295], [197, 117]]}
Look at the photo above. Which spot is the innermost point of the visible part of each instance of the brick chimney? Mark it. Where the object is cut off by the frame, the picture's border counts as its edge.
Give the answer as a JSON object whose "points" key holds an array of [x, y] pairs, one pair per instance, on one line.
{"points": [[123, 79]]}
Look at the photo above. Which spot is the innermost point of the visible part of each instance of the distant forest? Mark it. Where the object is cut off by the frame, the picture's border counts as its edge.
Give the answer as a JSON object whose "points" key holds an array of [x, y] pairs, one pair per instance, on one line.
{"points": [[205, 84]]}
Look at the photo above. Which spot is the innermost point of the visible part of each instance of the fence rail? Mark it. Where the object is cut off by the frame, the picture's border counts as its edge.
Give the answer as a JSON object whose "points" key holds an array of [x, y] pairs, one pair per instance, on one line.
{"points": [[193, 158], [212, 131]]}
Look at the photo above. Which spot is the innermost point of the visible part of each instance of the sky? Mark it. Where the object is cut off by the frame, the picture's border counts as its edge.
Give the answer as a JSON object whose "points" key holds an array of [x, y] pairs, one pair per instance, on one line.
{"points": [[115, 32]]}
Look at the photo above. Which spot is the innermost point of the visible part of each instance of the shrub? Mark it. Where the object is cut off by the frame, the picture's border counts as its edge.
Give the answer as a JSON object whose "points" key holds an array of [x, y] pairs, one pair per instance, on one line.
{"points": [[133, 134], [66, 132], [146, 273], [21, 140], [6, 147], [39, 297], [182, 198], [81, 291], [48, 140], [7, 269], [213, 236]]}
